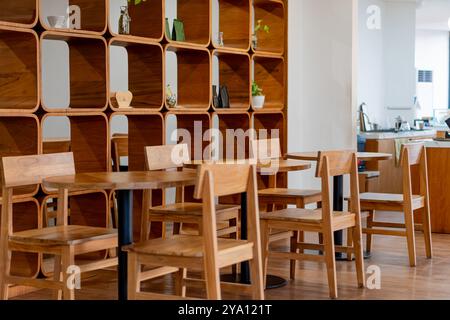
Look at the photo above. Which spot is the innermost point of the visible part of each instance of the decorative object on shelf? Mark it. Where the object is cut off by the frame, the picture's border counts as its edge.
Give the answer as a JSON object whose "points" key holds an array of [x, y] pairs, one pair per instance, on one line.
{"points": [[259, 27], [220, 39], [224, 97], [168, 35], [171, 98], [57, 21], [178, 30], [216, 100], [124, 99], [124, 21], [258, 98], [74, 17]]}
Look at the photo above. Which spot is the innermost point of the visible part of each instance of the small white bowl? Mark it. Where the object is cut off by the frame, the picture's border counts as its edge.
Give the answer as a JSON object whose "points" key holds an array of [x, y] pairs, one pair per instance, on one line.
{"points": [[56, 21]]}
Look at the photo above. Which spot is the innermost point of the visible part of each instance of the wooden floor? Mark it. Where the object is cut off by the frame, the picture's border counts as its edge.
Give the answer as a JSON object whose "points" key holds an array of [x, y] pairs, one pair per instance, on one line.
{"points": [[429, 280]]}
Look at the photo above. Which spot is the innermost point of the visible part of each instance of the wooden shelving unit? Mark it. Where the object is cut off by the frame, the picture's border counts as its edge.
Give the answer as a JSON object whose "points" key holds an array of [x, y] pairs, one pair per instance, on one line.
{"points": [[193, 77], [264, 123], [270, 74], [272, 13], [88, 64], [19, 68], [145, 74], [234, 72], [234, 22], [19, 135], [92, 17], [19, 13], [91, 107], [195, 15], [147, 24]]}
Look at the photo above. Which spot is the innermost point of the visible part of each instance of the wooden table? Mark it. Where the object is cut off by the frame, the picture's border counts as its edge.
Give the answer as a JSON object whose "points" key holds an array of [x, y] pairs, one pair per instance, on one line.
{"points": [[270, 168], [338, 183], [124, 183]]}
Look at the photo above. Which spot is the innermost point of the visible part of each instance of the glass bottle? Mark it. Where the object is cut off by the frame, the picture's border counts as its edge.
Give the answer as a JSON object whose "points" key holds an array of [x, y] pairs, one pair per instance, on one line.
{"points": [[124, 21]]}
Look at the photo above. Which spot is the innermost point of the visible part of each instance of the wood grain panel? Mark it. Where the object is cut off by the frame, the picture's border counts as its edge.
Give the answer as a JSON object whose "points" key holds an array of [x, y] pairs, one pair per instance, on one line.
{"points": [[268, 72], [19, 13], [26, 216], [19, 67], [145, 74], [195, 15], [20, 136], [439, 188], [234, 72], [234, 22], [194, 77], [272, 14]]}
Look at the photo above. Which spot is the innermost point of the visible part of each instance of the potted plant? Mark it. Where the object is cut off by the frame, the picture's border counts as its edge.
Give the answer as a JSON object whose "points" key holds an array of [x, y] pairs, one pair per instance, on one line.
{"points": [[258, 98], [259, 27]]}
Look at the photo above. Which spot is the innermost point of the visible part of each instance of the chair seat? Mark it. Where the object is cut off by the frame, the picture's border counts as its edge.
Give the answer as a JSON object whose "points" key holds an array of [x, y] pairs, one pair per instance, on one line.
{"points": [[291, 193], [189, 208], [62, 235], [388, 199], [186, 246], [306, 216]]}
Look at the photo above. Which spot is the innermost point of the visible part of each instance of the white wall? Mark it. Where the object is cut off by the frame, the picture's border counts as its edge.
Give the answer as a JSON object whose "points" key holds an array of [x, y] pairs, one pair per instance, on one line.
{"points": [[387, 75], [371, 86], [432, 53], [321, 106]]}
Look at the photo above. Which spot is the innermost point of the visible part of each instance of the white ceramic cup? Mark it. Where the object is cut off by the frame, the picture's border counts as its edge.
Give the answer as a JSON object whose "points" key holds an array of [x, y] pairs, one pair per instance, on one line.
{"points": [[56, 21]]}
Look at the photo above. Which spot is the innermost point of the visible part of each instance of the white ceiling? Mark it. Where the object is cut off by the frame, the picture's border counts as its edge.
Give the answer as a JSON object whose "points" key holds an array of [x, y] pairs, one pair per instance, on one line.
{"points": [[433, 14]]}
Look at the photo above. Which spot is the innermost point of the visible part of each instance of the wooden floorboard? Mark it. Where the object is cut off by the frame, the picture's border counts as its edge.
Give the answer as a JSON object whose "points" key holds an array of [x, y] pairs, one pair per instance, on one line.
{"points": [[429, 280]]}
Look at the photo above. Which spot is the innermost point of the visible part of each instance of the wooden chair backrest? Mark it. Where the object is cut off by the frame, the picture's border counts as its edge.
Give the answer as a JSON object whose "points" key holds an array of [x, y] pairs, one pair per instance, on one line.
{"points": [[265, 149], [413, 154], [119, 148], [28, 170], [166, 157], [338, 163], [226, 179]]}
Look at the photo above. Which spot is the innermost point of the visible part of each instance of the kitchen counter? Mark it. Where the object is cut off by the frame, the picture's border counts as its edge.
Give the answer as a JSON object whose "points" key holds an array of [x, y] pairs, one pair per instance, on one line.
{"points": [[438, 144], [431, 133]]}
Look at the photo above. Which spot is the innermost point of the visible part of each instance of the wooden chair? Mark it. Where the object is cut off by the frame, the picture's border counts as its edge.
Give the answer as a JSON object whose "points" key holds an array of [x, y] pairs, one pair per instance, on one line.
{"points": [[64, 241], [365, 178], [173, 157], [324, 221], [411, 155], [119, 149], [266, 150], [206, 251]]}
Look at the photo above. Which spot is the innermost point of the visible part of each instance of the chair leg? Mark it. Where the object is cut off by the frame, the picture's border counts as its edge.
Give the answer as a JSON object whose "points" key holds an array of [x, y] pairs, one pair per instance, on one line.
{"points": [[330, 262], [68, 260], [427, 231], [57, 275], [233, 223], [264, 248], [295, 239], [410, 235], [5, 268], [212, 282], [359, 257], [256, 274], [180, 285], [369, 236], [133, 275], [349, 244]]}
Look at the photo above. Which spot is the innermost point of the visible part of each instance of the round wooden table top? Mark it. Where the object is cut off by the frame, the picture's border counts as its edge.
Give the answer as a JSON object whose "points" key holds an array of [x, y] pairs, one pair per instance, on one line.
{"points": [[123, 180], [269, 166], [365, 156]]}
